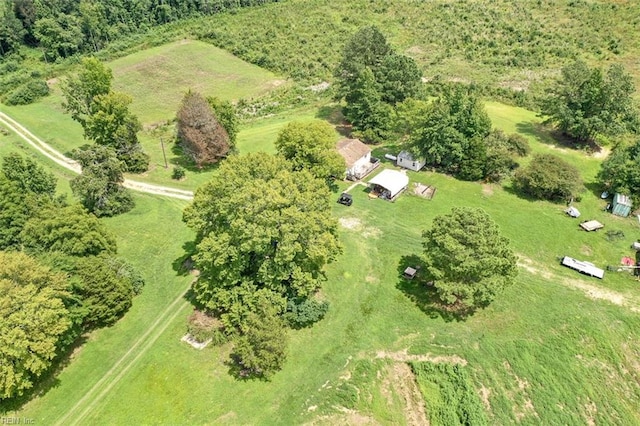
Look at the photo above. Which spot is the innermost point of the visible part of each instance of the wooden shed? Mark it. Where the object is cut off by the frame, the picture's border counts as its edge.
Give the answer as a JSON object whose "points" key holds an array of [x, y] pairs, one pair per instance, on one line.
{"points": [[621, 205]]}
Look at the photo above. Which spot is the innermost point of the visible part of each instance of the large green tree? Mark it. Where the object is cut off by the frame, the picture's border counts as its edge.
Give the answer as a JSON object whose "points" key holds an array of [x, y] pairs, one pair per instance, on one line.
{"points": [[25, 189], [111, 123], [467, 258], [620, 171], [93, 79], [260, 227], [34, 320], [450, 133], [260, 351], [585, 103], [99, 186], [226, 114], [549, 177], [311, 146]]}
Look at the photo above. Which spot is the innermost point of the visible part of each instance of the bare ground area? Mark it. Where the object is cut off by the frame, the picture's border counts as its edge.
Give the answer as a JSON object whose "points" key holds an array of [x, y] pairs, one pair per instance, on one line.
{"points": [[401, 380], [404, 356], [590, 290]]}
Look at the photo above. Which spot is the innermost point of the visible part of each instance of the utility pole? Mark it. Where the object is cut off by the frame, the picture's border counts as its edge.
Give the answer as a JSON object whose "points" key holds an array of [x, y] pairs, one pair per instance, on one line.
{"points": [[166, 165]]}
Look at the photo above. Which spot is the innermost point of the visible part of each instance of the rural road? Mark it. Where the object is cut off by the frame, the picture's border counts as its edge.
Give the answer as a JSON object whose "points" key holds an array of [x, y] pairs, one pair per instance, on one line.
{"points": [[69, 164]]}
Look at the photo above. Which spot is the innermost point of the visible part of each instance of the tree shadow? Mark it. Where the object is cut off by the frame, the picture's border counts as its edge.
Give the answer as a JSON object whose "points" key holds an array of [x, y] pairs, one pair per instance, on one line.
{"points": [[240, 373], [47, 381], [180, 160], [596, 189], [423, 294], [333, 114], [184, 264], [549, 136]]}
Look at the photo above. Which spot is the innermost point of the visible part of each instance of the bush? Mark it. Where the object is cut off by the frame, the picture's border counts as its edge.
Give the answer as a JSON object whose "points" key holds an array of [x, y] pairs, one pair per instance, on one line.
{"points": [[549, 177], [518, 144], [136, 162], [178, 173], [303, 313], [27, 93]]}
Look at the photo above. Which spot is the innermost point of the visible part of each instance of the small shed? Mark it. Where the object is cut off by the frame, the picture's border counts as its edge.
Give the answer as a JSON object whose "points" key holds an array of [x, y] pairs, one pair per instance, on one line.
{"points": [[591, 225], [388, 184], [572, 211], [621, 205], [409, 273], [405, 159]]}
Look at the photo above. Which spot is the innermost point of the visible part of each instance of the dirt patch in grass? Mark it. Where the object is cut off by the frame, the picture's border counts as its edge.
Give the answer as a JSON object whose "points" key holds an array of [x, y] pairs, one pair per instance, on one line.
{"points": [[526, 408], [405, 356], [356, 225], [586, 250], [590, 290], [485, 392], [487, 190], [403, 382], [346, 417]]}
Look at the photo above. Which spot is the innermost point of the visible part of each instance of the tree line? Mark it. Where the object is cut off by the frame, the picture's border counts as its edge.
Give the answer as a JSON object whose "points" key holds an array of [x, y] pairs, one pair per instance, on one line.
{"points": [[59, 273], [62, 28]]}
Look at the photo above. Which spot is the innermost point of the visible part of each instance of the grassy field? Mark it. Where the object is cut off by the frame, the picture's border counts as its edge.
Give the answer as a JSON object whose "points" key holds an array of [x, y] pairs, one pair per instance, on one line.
{"points": [[500, 43], [555, 348], [158, 78]]}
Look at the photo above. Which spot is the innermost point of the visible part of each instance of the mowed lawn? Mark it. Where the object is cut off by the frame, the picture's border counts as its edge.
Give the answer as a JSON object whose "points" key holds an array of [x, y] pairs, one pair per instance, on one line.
{"points": [[556, 348]]}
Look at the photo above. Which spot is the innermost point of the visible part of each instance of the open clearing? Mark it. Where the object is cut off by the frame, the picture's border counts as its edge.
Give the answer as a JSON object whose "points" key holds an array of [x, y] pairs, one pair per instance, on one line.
{"points": [[158, 78]]}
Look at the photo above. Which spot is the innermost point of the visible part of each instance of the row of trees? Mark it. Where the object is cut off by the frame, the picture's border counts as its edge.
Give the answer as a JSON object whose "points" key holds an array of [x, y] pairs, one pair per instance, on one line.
{"points": [[63, 28], [59, 275]]}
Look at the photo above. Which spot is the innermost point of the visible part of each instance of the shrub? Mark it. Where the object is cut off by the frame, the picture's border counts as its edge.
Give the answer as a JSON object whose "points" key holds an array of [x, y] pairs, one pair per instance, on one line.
{"points": [[136, 162], [518, 144], [549, 177], [178, 173], [303, 313], [27, 93]]}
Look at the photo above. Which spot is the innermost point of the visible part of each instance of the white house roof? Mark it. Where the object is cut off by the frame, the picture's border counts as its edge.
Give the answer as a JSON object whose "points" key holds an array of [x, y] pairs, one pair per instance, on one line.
{"points": [[391, 180], [405, 155]]}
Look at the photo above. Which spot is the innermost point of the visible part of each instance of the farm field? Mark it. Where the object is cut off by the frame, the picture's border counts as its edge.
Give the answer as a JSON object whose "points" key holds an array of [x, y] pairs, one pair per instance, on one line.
{"points": [[556, 347]]}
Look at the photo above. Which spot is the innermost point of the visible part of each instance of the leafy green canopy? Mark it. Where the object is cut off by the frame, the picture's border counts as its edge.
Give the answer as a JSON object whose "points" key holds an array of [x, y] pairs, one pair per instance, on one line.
{"points": [[620, 172], [467, 258], [70, 230], [372, 78], [450, 134], [548, 177], [25, 189], [311, 146], [261, 229], [586, 104], [34, 320], [99, 187]]}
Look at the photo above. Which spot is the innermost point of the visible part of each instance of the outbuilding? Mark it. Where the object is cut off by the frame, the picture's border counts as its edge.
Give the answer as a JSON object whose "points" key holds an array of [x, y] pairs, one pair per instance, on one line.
{"points": [[406, 159], [621, 205], [389, 184]]}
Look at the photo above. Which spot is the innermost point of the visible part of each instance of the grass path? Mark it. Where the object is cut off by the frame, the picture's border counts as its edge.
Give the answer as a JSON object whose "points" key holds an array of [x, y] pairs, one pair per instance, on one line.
{"points": [[69, 164], [103, 386]]}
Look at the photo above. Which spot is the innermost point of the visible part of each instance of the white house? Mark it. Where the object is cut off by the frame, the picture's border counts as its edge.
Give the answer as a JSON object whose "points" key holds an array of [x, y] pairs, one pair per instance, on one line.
{"points": [[357, 157], [388, 184], [406, 160]]}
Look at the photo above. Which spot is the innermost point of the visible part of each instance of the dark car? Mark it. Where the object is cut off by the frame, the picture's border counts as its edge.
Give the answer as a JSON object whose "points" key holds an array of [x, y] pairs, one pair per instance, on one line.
{"points": [[345, 199]]}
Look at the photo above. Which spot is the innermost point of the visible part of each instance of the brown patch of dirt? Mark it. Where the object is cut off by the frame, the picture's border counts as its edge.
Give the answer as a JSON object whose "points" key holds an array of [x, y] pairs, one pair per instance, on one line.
{"points": [[229, 417], [590, 411], [404, 356], [586, 250], [52, 81], [352, 223], [346, 417], [527, 408], [602, 154], [592, 291], [487, 190], [403, 383], [485, 392]]}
